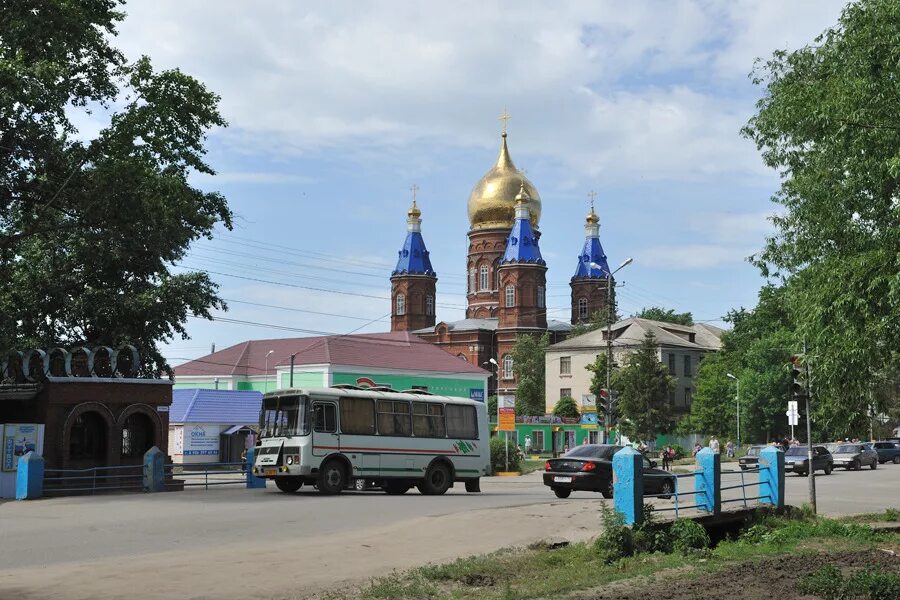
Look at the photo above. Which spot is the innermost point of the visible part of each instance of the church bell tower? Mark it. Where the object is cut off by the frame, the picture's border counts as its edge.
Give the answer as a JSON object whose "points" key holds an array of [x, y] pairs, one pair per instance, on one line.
{"points": [[413, 281]]}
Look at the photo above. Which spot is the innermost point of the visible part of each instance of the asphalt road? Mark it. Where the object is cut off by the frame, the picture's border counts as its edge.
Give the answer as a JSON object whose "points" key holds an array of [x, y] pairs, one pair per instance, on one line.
{"points": [[87, 531]]}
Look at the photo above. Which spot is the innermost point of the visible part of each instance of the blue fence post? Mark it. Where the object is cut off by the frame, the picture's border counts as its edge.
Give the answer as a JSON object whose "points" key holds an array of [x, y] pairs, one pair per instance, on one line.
{"points": [[154, 466], [708, 481], [771, 476], [253, 481], [628, 484], [30, 477]]}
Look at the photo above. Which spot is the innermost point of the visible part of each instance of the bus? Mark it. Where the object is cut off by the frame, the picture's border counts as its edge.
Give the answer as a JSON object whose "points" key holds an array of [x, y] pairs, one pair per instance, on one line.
{"points": [[332, 437]]}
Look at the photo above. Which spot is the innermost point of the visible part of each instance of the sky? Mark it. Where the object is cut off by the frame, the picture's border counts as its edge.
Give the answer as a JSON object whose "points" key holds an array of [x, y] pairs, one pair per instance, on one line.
{"points": [[336, 109]]}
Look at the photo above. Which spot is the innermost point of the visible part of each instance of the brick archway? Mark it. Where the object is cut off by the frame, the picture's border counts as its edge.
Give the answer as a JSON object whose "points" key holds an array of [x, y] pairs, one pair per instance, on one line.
{"points": [[142, 409], [106, 415]]}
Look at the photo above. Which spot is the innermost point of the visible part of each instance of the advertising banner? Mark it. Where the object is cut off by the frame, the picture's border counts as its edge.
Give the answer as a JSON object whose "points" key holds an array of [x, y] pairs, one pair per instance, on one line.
{"points": [[507, 420], [476, 394], [201, 440], [18, 440]]}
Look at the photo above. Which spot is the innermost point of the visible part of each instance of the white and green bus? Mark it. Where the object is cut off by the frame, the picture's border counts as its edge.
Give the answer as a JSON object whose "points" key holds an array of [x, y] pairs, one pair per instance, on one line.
{"points": [[334, 437]]}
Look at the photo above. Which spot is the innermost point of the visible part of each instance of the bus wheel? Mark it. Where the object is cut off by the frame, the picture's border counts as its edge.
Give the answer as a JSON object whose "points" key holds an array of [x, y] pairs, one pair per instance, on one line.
{"points": [[395, 487], [288, 484], [473, 485], [437, 480], [332, 477]]}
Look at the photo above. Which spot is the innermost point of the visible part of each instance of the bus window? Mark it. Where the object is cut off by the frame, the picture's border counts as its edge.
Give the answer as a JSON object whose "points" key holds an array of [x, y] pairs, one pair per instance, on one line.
{"points": [[428, 419], [325, 418], [358, 416], [283, 416], [461, 422], [393, 418]]}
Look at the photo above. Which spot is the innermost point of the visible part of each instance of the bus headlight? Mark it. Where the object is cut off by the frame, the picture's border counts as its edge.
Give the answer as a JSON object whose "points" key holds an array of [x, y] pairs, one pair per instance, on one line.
{"points": [[290, 460]]}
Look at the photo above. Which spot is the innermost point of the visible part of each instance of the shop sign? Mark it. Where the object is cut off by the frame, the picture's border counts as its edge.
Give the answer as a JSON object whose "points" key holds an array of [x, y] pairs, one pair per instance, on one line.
{"points": [[507, 419], [18, 440]]}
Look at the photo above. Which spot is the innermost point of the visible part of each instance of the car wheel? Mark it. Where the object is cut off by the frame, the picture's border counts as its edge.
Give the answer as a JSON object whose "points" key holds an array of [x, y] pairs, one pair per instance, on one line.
{"points": [[897, 460], [874, 465], [288, 484], [473, 485], [394, 487], [562, 492], [437, 480], [332, 477], [666, 490], [828, 469], [857, 465], [608, 492]]}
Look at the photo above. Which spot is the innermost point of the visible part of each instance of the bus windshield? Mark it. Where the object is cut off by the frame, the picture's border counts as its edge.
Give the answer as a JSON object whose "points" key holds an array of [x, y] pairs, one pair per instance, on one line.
{"points": [[283, 416]]}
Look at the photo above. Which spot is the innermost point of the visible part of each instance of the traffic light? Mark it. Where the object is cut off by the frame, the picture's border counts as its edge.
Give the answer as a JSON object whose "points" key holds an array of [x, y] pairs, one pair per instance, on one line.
{"points": [[798, 379]]}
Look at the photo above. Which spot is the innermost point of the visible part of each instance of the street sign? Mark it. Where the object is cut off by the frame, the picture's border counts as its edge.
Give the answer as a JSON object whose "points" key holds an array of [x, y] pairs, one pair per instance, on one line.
{"points": [[793, 418], [507, 420], [792, 406]]}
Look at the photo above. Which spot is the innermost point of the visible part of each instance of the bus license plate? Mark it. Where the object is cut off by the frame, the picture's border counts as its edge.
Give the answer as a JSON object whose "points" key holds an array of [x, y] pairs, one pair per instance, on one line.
{"points": [[562, 479], [269, 472]]}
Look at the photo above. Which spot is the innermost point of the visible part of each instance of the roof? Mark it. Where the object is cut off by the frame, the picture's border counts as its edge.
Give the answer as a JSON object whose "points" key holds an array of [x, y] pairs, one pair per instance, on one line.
{"points": [[215, 406], [399, 350], [413, 257], [630, 333], [592, 252], [489, 324], [522, 244], [555, 325]]}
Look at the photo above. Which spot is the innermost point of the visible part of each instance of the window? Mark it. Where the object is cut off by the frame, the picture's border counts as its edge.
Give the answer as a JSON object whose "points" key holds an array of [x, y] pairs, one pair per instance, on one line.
{"points": [[358, 416], [671, 364], [507, 367], [393, 418], [428, 420], [87, 437], [324, 418], [537, 441], [137, 435], [565, 365], [565, 392], [510, 295], [429, 305], [582, 308], [687, 396], [401, 304], [485, 278], [461, 422], [541, 296], [472, 279], [687, 366]]}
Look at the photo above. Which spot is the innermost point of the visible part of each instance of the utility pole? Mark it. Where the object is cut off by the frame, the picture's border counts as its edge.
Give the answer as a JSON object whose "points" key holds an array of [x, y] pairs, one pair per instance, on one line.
{"points": [[812, 472], [609, 318]]}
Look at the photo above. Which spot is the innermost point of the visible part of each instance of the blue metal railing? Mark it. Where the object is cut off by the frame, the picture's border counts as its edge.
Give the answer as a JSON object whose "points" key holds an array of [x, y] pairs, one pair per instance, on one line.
{"points": [[676, 493], [678, 506], [206, 474], [93, 480]]}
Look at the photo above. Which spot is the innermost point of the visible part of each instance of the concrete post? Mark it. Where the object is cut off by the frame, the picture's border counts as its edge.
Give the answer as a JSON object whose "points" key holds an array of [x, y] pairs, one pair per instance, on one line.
{"points": [[253, 481], [154, 470], [628, 484], [30, 477], [708, 481], [771, 476]]}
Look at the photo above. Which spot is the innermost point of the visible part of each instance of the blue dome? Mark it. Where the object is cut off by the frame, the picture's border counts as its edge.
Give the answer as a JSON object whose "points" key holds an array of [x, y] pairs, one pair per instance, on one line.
{"points": [[413, 258], [592, 252], [522, 243]]}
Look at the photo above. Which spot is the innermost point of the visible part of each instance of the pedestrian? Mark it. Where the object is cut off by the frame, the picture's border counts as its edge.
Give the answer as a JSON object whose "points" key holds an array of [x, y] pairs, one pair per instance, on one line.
{"points": [[527, 444], [729, 449], [714, 444], [697, 448], [584, 442], [664, 456]]}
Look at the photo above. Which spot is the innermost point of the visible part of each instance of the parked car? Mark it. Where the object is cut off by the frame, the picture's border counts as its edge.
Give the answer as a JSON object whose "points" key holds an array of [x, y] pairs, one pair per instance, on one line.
{"points": [[796, 459], [887, 452], [855, 456], [751, 459], [589, 468]]}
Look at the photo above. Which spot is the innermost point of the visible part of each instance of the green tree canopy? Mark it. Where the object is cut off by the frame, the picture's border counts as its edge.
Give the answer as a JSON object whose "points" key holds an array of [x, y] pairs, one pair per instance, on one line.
{"points": [[828, 123], [566, 407], [529, 365], [89, 229], [643, 385], [666, 315]]}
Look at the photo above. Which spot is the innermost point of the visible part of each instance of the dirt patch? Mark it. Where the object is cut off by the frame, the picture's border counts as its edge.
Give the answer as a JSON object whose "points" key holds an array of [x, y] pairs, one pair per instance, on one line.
{"points": [[758, 580]]}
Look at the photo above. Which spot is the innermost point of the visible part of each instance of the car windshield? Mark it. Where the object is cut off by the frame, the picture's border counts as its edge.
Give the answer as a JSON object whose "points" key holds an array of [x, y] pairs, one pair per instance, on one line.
{"points": [[753, 450], [283, 416], [848, 449], [797, 451], [589, 451]]}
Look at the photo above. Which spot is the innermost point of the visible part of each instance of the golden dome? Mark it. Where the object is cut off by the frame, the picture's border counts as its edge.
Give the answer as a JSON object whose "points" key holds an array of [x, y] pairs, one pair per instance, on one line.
{"points": [[493, 199], [414, 212], [592, 218]]}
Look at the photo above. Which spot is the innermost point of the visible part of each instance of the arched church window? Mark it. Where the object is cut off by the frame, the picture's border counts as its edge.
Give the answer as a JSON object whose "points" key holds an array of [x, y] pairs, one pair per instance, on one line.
{"points": [[541, 296], [510, 295], [485, 278], [429, 305], [582, 308], [401, 304], [507, 366], [497, 273], [472, 279]]}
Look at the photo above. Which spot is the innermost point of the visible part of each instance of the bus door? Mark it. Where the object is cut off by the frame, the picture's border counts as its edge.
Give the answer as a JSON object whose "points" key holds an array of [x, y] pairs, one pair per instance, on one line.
{"points": [[325, 439]]}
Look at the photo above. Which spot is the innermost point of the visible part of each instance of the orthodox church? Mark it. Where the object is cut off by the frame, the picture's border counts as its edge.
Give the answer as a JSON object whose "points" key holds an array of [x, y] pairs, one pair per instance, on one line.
{"points": [[507, 284]]}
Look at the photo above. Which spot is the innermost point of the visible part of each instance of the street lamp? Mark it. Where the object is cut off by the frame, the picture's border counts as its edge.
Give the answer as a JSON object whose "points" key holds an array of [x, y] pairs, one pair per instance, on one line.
{"points": [[737, 401], [496, 368], [609, 317], [267, 369]]}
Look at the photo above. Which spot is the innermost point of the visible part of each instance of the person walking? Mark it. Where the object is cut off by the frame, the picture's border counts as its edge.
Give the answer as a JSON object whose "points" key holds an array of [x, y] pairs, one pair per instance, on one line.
{"points": [[714, 444], [664, 456], [729, 449], [527, 444]]}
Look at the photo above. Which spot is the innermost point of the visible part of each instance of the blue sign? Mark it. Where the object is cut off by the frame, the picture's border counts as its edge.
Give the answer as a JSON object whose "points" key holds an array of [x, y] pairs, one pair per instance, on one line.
{"points": [[476, 394]]}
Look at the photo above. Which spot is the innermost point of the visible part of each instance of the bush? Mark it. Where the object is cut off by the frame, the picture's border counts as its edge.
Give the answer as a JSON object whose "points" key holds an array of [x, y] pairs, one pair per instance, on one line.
{"points": [[828, 583], [498, 455], [566, 407], [679, 451], [617, 539], [687, 535]]}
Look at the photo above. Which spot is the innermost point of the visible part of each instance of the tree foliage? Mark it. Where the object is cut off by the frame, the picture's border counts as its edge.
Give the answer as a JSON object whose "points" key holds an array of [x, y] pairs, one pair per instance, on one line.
{"points": [[828, 123], [529, 365], [566, 407], [90, 228], [643, 385], [666, 315]]}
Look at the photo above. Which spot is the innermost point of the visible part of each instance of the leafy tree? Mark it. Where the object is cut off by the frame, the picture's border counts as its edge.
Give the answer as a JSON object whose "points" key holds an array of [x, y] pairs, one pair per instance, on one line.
{"points": [[528, 363], [90, 228], [828, 123], [710, 402], [566, 407], [597, 320], [598, 379], [644, 385], [492, 407], [666, 315]]}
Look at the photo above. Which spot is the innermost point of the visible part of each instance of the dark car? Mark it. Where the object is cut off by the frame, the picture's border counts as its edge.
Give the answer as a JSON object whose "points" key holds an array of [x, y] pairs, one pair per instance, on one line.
{"points": [[888, 452], [855, 456], [751, 459], [796, 459], [589, 468]]}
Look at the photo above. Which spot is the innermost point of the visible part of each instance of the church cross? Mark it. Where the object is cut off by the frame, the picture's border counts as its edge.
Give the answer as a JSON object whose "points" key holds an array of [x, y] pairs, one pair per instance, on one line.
{"points": [[505, 118], [592, 194], [414, 189]]}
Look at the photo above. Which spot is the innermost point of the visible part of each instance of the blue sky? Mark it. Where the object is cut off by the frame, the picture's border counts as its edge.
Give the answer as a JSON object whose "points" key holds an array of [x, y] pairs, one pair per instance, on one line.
{"points": [[335, 109]]}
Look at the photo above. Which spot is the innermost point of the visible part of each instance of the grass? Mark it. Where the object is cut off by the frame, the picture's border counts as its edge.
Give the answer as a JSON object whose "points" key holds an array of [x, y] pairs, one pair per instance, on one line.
{"points": [[529, 466], [539, 572], [891, 515]]}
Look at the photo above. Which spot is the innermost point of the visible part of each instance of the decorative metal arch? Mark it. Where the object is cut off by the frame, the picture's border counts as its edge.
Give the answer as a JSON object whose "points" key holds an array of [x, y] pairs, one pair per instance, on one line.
{"points": [[35, 365]]}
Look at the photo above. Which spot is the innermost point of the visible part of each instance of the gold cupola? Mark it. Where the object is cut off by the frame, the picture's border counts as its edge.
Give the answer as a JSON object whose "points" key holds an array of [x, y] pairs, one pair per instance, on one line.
{"points": [[492, 203]]}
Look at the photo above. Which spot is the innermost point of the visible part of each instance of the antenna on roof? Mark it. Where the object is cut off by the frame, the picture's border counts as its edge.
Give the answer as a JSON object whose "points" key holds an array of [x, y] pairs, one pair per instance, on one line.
{"points": [[212, 349]]}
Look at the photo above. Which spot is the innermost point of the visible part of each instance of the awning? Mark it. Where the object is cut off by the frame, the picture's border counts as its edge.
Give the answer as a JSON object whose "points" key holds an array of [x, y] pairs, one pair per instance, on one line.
{"points": [[234, 429]]}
